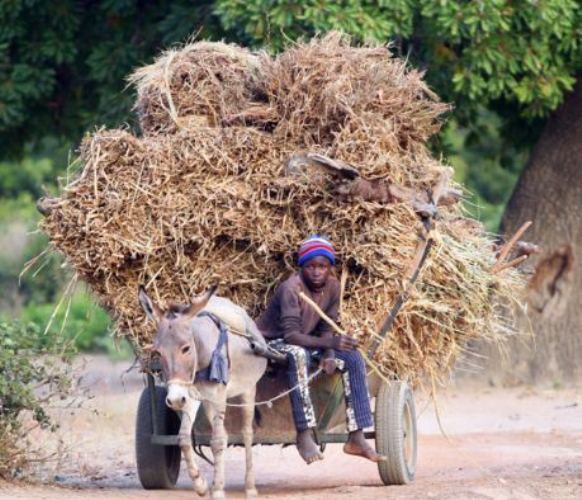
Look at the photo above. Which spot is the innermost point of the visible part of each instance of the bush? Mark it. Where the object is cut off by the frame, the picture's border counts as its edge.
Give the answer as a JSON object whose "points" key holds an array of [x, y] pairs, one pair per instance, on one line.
{"points": [[36, 372]]}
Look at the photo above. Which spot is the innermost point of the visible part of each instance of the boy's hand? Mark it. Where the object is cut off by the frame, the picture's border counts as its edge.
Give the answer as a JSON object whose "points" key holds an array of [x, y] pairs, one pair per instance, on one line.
{"points": [[344, 343]]}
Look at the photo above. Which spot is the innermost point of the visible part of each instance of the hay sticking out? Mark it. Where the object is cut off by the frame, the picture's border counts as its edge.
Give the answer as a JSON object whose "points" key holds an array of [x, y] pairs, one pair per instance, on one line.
{"points": [[327, 86], [203, 196], [198, 85]]}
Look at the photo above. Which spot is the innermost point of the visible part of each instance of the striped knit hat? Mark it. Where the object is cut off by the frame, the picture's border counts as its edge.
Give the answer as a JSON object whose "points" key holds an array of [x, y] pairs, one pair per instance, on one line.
{"points": [[314, 246]]}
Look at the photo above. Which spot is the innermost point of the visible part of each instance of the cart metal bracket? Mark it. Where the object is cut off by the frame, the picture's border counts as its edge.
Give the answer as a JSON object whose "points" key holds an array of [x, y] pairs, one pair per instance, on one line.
{"points": [[166, 440], [153, 403]]}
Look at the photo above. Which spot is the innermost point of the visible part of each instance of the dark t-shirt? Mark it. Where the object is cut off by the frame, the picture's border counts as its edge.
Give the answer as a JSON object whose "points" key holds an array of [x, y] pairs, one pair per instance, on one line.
{"points": [[287, 315]]}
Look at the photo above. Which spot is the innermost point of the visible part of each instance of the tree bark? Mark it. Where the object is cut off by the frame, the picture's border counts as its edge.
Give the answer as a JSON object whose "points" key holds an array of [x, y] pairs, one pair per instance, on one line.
{"points": [[549, 192]]}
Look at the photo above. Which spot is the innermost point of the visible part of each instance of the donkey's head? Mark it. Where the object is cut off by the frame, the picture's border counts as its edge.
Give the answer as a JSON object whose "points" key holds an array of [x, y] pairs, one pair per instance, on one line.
{"points": [[174, 343]]}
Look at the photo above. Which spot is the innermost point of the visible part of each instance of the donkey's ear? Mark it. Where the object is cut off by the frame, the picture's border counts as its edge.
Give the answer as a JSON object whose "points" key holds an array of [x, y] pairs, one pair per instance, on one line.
{"points": [[153, 311], [199, 302]]}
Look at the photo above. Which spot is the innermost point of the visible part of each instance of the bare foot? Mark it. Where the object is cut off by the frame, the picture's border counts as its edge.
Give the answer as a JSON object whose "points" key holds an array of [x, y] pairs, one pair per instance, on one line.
{"points": [[307, 447], [357, 445]]}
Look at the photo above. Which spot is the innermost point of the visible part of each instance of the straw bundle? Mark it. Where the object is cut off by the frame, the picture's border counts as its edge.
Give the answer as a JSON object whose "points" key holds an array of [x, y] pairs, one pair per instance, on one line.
{"points": [[198, 85], [206, 195]]}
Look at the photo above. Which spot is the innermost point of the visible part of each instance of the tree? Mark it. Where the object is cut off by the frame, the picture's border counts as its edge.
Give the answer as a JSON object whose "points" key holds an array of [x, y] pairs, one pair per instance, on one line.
{"points": [[63, 63], [549, 192]]}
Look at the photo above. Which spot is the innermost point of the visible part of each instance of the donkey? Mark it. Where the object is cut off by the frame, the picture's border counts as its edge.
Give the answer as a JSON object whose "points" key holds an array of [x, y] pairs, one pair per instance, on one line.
{"points": [[192, 342]]}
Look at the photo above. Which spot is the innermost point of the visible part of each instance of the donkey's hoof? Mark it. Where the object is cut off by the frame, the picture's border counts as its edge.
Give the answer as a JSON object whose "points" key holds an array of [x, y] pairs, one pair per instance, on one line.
{"points": [[200, 486], [251, 493], [218, 495]]}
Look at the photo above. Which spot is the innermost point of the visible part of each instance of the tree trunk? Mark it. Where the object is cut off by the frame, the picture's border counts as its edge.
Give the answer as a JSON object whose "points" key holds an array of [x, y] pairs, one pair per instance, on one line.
{"points": [[549, 192]]}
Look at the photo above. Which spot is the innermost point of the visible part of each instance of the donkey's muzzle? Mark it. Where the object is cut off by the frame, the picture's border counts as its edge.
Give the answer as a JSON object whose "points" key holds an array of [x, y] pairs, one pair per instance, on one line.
{"points": [[177, 397], [176, 405]]}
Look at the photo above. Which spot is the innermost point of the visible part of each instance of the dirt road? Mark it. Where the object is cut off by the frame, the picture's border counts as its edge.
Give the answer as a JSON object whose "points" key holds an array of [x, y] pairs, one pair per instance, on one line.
{"points": [[519, 443]]}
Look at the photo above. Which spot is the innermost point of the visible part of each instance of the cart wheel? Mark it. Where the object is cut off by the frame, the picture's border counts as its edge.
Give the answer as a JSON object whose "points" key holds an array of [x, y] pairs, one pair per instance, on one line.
{"points": [[157, 466], [395, 420]]}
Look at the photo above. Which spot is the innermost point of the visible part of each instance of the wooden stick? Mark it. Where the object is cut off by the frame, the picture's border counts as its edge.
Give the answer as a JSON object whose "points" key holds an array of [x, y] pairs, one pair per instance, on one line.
{"points": [[411, 274], [510, 244], [334, 325], [417, 261], [526, 248], [511, 263], [322, 315]]}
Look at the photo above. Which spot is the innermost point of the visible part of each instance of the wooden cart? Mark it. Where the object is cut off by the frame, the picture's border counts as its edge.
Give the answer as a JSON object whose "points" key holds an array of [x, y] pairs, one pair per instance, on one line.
{"points": [[158, 455]]}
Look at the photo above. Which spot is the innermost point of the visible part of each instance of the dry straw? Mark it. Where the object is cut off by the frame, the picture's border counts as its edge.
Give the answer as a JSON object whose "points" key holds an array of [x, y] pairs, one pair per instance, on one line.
{"points": [[203, 196]]}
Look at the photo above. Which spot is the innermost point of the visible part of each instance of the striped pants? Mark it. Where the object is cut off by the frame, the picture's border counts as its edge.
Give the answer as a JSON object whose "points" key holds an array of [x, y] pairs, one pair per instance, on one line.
{"points": [[353, 371]]}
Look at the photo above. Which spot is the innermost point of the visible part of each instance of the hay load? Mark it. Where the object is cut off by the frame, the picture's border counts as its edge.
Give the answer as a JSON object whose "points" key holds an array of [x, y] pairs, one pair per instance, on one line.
{"points": [[242, 156]]}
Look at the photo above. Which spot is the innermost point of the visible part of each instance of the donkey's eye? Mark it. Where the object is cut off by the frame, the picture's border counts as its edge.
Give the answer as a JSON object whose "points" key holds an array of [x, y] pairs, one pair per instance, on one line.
{"points": [[186, 349]]}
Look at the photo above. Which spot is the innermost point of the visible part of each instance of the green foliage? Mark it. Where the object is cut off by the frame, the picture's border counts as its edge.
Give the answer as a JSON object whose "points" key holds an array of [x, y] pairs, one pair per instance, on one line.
{"points": [[63, 63], [17, 248], [35, 372], [44, 282], [277, 22], [30, 175], [34, 295], [21, 183], [476, 52], [34, 174], [484, 164], [78, 320], [521, 51]]}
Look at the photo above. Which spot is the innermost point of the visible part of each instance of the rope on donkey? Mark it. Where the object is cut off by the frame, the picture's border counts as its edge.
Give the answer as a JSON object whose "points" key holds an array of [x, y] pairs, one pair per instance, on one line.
{"points": [[267, 402]]}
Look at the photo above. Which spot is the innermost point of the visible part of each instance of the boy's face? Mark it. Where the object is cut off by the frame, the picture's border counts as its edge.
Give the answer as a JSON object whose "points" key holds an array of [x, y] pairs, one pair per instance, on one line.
{"points": [[316, 271]]}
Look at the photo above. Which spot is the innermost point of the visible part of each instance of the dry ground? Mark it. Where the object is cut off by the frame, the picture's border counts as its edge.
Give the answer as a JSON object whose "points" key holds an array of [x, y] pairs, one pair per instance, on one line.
{"points": [[518, 443]]}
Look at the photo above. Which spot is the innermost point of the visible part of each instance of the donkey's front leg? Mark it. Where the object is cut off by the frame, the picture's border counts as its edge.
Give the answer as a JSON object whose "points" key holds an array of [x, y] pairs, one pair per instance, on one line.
{"points": [[215, 411], [185, 440], [248, 414]]}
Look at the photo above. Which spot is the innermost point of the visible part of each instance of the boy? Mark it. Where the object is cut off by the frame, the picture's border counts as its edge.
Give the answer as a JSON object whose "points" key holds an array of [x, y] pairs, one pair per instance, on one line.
{"points": [[293, 327]]}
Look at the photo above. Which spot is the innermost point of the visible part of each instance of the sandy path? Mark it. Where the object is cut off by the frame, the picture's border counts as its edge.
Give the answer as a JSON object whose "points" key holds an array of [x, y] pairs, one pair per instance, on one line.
{"points": [[519, 443]]}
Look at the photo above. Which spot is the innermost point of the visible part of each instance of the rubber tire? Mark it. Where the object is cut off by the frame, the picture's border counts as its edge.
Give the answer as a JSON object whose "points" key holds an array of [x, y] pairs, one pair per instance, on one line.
{"points": [[391, 402], [158, 466]]}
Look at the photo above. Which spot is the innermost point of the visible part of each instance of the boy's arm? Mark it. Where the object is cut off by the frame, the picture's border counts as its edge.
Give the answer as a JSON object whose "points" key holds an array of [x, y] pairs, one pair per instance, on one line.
{"points": [[328, 334]]}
